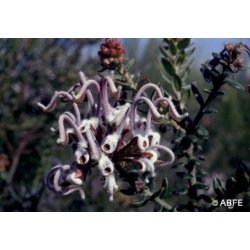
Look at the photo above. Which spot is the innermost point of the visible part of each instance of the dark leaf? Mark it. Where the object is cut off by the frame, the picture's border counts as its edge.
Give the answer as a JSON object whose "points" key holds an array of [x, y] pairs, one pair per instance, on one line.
{"points": [[158, 208], [164, 52], [180, 191], [202, 172], [183, 43], [166, 40], [141, 203], [216, 55], [231, 186], [190, 52], [172, 47], [218, 189], [210, 111], [180, 59], [168, 66], [234, 84], [184, 175], [130, 64], [197, 94], [178, 165], [206, 198], [177, 83], [193, 203], [200, 185], [185, 97], [202, 133]]}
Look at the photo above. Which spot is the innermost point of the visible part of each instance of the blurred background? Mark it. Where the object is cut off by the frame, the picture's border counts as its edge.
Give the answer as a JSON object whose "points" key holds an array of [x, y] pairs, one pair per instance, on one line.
{"points": [[31, 70]]}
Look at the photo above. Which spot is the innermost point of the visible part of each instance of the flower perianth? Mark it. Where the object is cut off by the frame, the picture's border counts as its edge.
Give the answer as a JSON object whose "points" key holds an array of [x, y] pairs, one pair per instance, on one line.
{"points": [[78, 98], [62, 132], [51, 106]]}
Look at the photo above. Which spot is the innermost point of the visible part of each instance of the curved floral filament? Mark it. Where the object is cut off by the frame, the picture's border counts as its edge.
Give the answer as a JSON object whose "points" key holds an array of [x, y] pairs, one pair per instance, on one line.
{"points": [[119, 117], [152, 110], [153, 86], [95, 153], [172, 110], [78, 98], [114, 92], [166, 150], [48, 176], [63, 135], [51, 106]]}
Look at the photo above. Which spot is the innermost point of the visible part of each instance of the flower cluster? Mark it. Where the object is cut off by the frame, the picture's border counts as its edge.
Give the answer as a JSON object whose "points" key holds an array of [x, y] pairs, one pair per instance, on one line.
{"points": [[112, 138], [111, 53]]}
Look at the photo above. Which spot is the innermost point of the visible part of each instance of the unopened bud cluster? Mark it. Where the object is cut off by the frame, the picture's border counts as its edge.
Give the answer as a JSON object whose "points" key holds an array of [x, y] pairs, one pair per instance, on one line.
{"points": [[111, 53]]}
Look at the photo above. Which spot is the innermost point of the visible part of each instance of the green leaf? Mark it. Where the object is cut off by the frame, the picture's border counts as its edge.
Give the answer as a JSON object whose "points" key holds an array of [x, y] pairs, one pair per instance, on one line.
{"points": [[223, 62], [202, 172], [130, 64], [243, 68], [178, 137], [234, 84], [201, 158], [168, 66], [180, 191], [228, 74], [206, 198], [202, 133], [231, 186], [199, 185], [193, 203], [166, 40], [190, 52], [177, 83], [185, 97], [216, 55], [184, 175], [178, 165], [158, 208], [210, 111], [163, 193], [218, 189], [183, 43], [172, 47], [164, 52], [197, 94], [165, 183], [141, 203], [180, 59]]}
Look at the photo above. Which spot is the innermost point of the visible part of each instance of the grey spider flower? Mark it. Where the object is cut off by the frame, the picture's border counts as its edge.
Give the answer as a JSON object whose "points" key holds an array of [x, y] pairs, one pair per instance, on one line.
{"points": [[116, 140]]}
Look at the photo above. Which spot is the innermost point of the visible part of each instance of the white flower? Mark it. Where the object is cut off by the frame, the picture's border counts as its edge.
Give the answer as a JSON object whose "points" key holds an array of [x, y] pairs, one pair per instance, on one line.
{"points": [[105, 165], [110, 185], [82, 155], [109, 143]]}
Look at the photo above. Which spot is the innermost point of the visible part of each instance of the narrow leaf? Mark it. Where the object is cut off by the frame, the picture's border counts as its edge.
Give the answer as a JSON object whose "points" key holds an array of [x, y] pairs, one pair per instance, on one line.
{"points": [[183, 43], [197, 94], [168, 66], [180, 191], [177, 83], [234, 84], [130, 64], [172, 47]]}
